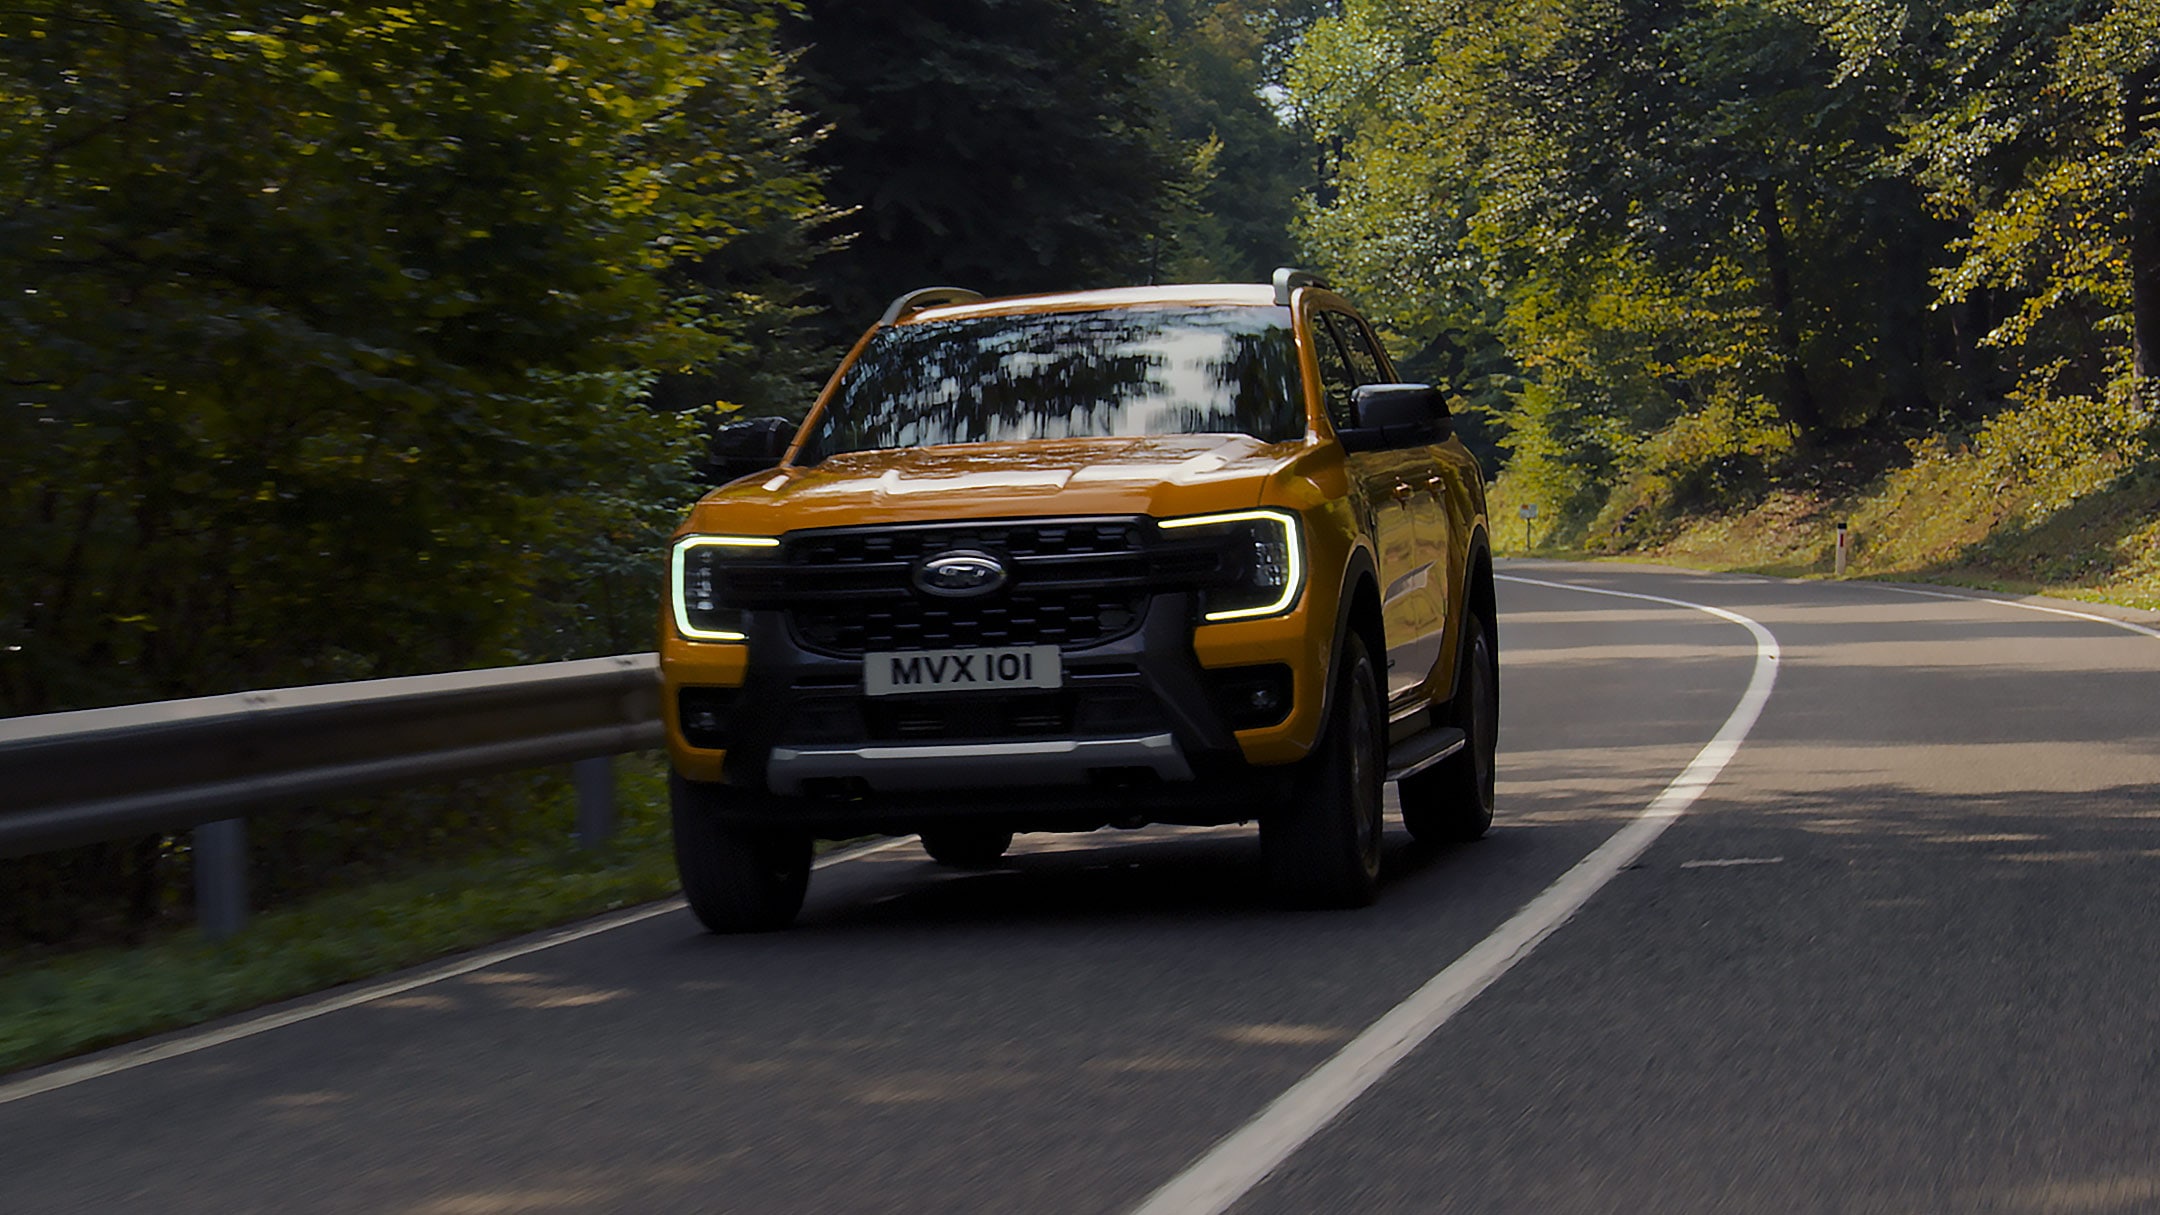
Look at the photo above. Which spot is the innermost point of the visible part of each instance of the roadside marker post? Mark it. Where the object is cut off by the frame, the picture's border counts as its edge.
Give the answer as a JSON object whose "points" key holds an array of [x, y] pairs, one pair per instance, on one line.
{"points": [[220, 849], [595, 782], [1844, 537], [221, 895], [1528, 512]]}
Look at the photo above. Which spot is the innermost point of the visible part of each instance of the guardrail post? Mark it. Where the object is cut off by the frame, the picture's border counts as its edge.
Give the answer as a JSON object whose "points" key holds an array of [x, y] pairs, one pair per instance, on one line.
{"points": [[221, 899], [595, 781]]}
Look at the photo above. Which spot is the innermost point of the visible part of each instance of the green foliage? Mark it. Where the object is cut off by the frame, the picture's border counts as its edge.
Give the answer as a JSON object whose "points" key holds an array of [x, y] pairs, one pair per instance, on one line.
{"points": [[1658, 232], [1245, 167], [1003, 145], [327, 329], [2042, 142], [2033, 460], [2055, 494], [327, 344]]}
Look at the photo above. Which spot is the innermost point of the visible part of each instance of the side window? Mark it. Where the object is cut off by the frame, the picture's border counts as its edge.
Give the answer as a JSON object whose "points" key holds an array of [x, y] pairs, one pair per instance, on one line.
{"points": [[1336, 378], [1363, 358]]}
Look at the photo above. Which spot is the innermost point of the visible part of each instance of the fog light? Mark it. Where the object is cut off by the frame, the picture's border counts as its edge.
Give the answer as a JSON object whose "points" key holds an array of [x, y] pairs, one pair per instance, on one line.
{"points": [[705, 713], [1252, 697]]}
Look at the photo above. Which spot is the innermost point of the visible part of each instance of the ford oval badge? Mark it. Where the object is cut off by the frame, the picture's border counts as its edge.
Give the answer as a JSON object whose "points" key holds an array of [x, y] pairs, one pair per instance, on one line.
{"points": [[960, 575]]}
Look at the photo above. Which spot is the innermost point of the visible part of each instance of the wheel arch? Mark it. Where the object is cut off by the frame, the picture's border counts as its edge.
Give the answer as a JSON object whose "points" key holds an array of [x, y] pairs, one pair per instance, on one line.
{"points": [[1359, 612], [1480, 601], [1480, 590]]}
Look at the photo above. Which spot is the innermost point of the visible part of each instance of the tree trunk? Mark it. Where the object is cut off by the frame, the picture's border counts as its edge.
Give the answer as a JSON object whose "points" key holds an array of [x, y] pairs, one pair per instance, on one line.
{"points": [[1800, 406], [2139, 104], [2145, 290], [1897, 237]]}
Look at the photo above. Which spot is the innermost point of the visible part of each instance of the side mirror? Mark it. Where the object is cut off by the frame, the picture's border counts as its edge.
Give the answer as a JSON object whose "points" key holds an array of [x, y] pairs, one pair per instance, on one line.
{"points": [[742, 449], [1391, 416]]}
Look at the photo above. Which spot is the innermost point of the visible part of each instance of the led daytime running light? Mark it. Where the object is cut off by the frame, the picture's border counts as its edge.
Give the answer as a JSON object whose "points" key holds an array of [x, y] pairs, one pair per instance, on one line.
{"points": [[1293, 582], [678, 579]]}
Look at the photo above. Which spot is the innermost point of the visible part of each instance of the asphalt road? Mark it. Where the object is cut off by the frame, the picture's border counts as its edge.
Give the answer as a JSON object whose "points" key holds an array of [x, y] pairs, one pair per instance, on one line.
{"points": [[1903, 954]]}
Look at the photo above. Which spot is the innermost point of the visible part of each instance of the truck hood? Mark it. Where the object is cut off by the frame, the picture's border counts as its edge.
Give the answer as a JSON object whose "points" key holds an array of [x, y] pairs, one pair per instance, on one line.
{"points": [[1162, 475]]}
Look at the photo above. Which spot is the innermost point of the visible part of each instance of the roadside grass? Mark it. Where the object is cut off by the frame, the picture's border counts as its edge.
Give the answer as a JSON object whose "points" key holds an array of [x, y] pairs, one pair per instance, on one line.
{"points": [[2029, 505], [52, 1008]]}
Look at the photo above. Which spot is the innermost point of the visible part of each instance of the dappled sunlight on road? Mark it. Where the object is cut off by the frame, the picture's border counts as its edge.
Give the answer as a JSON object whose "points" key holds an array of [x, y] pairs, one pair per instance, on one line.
{"points": [[1667, 653], [573, 1190], [526, 990], [1811, 772], [1281, 1035], [919, 1087], [418, 1001], [2123, 1192]]}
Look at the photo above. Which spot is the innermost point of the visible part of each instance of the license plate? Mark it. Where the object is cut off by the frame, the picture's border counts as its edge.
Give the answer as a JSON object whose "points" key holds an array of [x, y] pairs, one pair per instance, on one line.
{"points": [[894, 672]]}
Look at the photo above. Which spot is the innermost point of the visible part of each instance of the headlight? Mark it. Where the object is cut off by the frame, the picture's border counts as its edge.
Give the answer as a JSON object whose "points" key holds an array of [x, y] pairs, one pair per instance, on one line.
{"points": [[1263, 562], [697, 585]]}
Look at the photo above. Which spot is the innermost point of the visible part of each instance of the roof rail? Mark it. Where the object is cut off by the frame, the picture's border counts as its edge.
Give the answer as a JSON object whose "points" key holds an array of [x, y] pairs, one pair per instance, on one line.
{"points": [[927, 297], [1289, 278]]}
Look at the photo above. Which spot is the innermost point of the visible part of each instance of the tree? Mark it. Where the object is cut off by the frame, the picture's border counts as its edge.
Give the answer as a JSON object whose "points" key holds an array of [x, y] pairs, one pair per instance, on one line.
{"points": [[327, 341], [1245, 166], [1004, 145], [2042, 138], [328, 329], [1671, 237]]}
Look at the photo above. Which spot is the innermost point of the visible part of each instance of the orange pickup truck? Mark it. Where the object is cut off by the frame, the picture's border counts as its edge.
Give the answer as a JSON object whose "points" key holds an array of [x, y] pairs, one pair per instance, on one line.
{"points": [[1180, 554]]}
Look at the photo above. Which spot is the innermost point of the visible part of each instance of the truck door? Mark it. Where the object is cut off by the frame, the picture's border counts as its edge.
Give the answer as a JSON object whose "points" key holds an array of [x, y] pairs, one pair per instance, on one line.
{"points": [[1389, 486], [1428, 578]]}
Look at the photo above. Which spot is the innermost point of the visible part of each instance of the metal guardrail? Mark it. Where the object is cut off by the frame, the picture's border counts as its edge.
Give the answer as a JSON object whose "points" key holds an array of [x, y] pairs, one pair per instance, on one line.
{"points": [[98, 774]]}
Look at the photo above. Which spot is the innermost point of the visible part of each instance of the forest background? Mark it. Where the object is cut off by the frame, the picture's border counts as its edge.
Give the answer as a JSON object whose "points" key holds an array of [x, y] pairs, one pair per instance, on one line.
{"points": [[343, 343]]}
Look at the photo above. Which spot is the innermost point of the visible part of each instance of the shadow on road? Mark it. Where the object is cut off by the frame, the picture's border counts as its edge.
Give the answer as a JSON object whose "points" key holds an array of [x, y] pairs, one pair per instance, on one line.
{"points": [[1098, 879]]}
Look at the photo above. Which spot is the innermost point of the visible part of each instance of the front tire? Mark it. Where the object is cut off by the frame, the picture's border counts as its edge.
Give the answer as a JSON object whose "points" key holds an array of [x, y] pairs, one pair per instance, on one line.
{"points": [[1452, 801], [736, 878], [1323, 849], [966, 847]]}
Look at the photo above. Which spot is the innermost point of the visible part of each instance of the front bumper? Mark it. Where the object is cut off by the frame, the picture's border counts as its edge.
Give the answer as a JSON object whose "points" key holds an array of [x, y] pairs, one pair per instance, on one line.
{"points": [[1139, 728], [975, 765]]}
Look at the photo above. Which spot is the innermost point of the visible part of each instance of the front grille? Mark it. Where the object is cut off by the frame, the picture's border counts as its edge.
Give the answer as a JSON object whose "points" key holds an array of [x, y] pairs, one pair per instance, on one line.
{"points": [[1068, 619], [1074, 583], [1020, 540]]}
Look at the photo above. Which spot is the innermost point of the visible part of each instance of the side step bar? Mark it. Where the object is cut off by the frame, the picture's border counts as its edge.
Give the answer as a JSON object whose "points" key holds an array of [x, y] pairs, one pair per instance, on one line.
{"points": [[1421, 751]]}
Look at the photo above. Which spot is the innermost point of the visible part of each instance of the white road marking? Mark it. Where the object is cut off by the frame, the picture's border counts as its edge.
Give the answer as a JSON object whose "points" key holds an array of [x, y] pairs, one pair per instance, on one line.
{"points": [[1236, 1164], [1727, 862], [121, 1059], [2030, 607]]}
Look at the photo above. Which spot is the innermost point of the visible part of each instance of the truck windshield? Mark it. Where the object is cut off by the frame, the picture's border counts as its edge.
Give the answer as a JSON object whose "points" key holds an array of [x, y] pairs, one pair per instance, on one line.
{"points": [[1226, 369]]}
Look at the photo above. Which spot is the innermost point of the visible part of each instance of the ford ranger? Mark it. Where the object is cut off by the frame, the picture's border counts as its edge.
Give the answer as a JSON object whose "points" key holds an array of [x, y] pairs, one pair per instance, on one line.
{"points": [[1187, 555]]}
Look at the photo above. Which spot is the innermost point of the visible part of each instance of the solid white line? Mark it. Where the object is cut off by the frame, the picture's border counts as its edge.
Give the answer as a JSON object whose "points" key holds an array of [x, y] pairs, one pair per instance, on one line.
{"points": [[2030, 607], [123, 1059], [1235, 1165]]}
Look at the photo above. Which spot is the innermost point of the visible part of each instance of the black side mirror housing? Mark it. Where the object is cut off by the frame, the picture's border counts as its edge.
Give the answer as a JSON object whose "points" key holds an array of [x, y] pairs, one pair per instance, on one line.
{"points": [[745, 448], [1391, 416]]}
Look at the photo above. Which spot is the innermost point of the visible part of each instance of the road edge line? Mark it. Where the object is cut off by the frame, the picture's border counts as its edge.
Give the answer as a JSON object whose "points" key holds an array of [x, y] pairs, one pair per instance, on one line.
{"points": [[1247, 1156], [186, 1042], [2096, 618]]}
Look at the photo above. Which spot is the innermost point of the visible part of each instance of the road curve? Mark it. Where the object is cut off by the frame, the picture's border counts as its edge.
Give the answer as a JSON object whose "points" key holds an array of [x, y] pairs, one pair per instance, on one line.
{"points": [[1899, 955]]}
